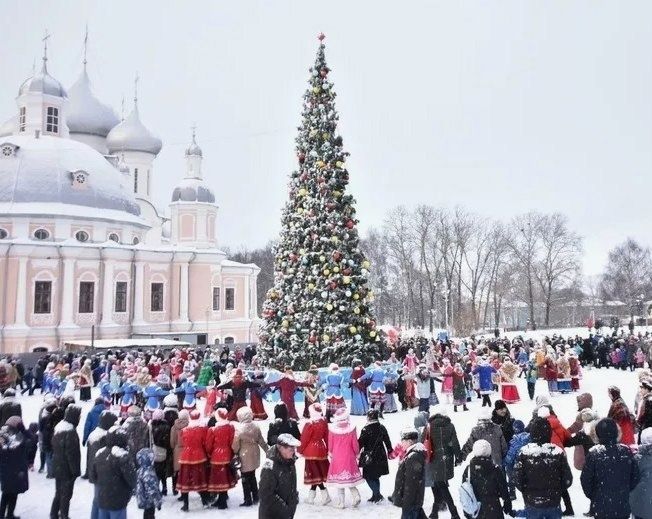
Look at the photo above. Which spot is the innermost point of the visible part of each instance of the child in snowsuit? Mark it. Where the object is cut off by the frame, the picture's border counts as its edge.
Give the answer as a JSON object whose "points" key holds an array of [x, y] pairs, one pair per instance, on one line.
{"points": [[519, 440], [148, 492]]}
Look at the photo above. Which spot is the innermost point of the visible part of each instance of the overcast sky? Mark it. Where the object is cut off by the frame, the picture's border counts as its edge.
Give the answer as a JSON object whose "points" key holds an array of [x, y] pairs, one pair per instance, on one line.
{"points": [[499, 106]]}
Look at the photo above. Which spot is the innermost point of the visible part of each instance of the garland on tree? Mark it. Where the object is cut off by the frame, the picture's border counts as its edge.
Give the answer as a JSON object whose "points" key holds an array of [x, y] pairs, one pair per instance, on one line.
{"points": [[320, 308]]}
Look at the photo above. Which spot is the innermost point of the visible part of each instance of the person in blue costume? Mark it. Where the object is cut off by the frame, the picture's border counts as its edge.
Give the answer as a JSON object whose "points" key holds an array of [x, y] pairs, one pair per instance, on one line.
{"points": [[376, 374], [128, 390], [333, 391], [190, 390], [359, 402], [154, 395], [105, 390], [484, 371], [390, 382]]}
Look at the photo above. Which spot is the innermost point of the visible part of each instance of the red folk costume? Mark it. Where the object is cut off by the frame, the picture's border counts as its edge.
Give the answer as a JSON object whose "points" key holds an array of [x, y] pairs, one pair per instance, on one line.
{"points": [[192, 460], [218, 445], [287, 386], [238, 386], [256, 395], [314, 447], [575, 372]]}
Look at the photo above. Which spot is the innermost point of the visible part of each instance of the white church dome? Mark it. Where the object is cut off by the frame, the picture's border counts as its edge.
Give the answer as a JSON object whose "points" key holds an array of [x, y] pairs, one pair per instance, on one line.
{"points": [[56, 176], [85, 113], [131, 135], [42, 83], [192, 190]]}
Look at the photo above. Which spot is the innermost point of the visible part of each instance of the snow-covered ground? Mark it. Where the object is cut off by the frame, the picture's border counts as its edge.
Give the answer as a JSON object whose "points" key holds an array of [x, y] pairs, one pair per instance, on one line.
{"points": [[35, 504]]}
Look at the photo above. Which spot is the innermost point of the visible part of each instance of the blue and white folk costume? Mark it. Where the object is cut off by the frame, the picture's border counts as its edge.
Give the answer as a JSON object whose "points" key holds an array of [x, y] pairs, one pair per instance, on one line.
{"points": [[333, 390], [154, 395], [190, 390], [377, 387], [359, 402]]}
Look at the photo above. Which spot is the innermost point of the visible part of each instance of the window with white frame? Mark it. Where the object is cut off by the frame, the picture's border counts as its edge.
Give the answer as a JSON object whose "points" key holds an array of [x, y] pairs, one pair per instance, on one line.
{"points": [[52, 120], [42, 297], [216, 299], [86, 297], [156, 299], [120, 297], [229, 299], [229, 340], [22, 116]]}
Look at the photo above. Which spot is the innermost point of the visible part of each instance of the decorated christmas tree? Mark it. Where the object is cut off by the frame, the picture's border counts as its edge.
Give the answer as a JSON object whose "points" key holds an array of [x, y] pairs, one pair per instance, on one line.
{"points": [[319, 310]]}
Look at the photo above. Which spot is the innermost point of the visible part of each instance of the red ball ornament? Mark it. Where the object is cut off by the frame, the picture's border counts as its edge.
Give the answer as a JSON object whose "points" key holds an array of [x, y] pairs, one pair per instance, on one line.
{"points": [[333, 285], [312, 339], [337, 255], [302, 157], [346, 271], [349, 224], [323, 72]]}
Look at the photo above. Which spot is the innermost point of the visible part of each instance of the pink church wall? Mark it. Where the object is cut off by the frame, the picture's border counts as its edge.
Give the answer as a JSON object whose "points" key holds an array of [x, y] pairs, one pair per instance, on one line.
{"points": [[187, 227], [12, 282], [42, 274], [199, 291], [176, 278]]}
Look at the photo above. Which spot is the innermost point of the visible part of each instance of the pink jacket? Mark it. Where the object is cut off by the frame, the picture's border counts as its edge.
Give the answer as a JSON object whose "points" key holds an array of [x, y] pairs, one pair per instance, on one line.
{"points": [[343, 450]]}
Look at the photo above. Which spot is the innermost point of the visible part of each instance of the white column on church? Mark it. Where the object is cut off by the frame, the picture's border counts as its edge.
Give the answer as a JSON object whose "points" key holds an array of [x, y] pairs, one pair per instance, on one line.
{"points": [[247, 292], [139, 288], [183, 289], [21, 292], [68, 287], [107, 293]]}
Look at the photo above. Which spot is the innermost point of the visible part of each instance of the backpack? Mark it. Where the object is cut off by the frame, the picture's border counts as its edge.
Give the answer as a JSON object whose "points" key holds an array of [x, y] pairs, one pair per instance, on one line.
{"points": [[470, 504]]}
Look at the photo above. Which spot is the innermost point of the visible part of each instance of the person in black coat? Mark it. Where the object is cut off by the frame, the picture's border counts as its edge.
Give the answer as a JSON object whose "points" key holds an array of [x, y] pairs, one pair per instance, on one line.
{"points": [[97, 440], [114, 472], [541, 471], [282, 425], [488, 482], [610, 473], [374, 445], [66, 461], [45, 432], [446, 455], [409, 485], [9, 407], [277, 489], [501, 416], [161, 437], [14, 465]]}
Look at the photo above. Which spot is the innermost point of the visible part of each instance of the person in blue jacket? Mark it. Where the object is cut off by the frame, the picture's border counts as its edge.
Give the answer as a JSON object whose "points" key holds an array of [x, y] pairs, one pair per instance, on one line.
{"points": [[519, 440], [485, 371], [92, 419]]}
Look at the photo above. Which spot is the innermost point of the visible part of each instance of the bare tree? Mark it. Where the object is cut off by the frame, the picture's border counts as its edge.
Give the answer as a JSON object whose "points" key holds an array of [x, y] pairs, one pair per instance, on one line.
{"points": [[628, 275], [560, 257]]}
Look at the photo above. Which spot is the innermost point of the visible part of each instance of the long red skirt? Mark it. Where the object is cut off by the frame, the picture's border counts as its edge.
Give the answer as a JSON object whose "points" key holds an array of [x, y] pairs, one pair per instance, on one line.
{"points": [[510, 393], [237, 404], [257, 407], [221, 478], [192, 477], [575, 383], [315, 472], [333, 403]]}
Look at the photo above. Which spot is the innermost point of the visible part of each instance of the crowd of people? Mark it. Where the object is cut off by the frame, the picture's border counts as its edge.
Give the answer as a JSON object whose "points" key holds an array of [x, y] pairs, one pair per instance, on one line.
{"points": [[189, 421]]}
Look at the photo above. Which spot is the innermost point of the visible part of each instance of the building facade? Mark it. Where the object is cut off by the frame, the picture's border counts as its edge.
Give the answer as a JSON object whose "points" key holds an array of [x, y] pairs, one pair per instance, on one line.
{"points": [[82, 247]]}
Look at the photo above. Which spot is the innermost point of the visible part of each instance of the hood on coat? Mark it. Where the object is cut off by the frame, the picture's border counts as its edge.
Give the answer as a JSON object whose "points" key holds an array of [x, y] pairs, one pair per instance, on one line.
{"points": [[518, 426], [145, 458], [421, 420], [244, 415], [584, 401], [117, 437], [281, 411], [439, 420], [607, 431], [107, 420], [540, 431], [72, 415]]}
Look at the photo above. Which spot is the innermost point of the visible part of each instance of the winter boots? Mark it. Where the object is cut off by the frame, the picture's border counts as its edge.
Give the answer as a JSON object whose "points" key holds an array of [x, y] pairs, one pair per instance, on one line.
{"points": [[326, 497], [339, 501], [355, 495], [310, 500]]}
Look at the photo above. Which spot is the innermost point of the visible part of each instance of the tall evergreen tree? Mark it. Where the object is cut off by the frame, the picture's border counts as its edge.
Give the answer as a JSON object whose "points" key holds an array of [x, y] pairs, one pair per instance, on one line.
{"points": [[319, 310]]}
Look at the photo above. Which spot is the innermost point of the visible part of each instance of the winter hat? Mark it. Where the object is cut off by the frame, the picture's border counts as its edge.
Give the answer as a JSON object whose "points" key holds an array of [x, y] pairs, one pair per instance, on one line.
{"points": [[341, 415], [540, 431], [541, 400], [607, 431], [107, 420], [518, 426], [372, 415], [287, 440], [614, 392], [14, 422], [500, 404], [409, 434], [171, 401], [9, 392], [421, 420], [133, 411], [281, 411], [244, 415], [72, 414], [222, 414], [646, 436], [647, 383], [481, 448], [485, 413], [543, 412], [334, 367], [584, 401], [588, 415], [194, 414], [315, 411], [184, 415], [158, 414]]}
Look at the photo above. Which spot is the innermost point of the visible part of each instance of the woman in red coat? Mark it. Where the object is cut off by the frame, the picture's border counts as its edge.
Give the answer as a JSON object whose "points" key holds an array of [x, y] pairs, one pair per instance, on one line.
{"points": [[287, 385], [314, 449], [192, 460], [218, 446], [619, 412]]}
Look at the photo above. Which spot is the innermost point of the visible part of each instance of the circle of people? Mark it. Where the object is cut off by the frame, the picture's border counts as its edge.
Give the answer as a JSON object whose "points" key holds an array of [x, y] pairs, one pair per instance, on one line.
{"points": [[146, 427]]}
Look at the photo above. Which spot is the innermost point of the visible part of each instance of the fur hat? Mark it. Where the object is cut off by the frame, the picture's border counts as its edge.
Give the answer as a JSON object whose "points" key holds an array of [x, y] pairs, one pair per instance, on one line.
{"points": [[158, 414], [410, 434], [222, 414], [541, 400], [543, 412], [171, 401], [315, 411], [133, 411], [481, 448], [244, 414]]}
